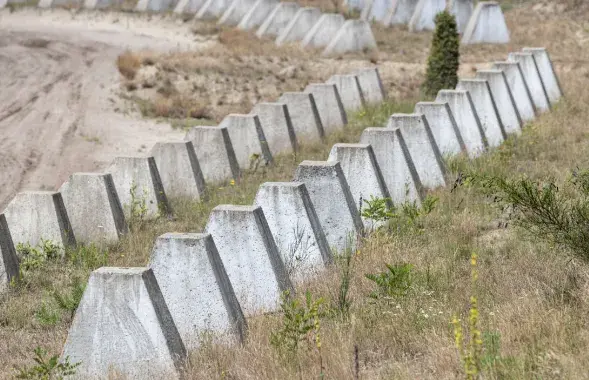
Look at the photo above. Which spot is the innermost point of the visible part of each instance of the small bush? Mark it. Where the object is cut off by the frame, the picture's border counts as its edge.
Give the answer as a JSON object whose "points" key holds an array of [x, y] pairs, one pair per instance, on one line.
{"points": [[396, 282], [128, 64], [47, 368]]}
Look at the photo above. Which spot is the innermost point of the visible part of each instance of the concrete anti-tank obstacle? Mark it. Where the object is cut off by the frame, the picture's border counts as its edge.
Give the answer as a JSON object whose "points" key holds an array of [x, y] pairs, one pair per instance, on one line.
{"points": [[235, 12], [250, 256], [376, 10], [547, 73], [484, 104], [278, 19], [188, 6], [257, 14], [422, 147], [154, 5], [423, 17], [508, 113], [37, 216], [295, 226], [324, 30], [8, 260], [333, 202], [277, 126], [196, 288], [139, 185], [486, 25], [123, 326], [353, 36], [467, 120], [41, 3], [214, 152], [519, 89], [462, 10], [329, 105], [299, 26], [396, 164], [355, 5], [179, 170], [93, 207], [304, 115], [349, 89], [443, 126], [248, 140], [533, 79], [400, 12], [371, 87], [212, 9], [362, 173]]}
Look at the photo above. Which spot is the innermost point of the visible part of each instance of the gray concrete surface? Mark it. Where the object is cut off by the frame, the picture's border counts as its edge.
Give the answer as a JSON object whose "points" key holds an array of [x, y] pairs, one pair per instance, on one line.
{"points": [[533, 79], [304, 115], [248, 140], [277, 126], [329, 106], [462, 10], [424, 15], [519, 89], [547, 73], [350, 92], [324, 30], [8, 260], [353, 36], [299, 25], [371, 86], [486, 25], [257, 14], [278, 19], [400, 12], [443, 126], [508, 113], [215, 153]]}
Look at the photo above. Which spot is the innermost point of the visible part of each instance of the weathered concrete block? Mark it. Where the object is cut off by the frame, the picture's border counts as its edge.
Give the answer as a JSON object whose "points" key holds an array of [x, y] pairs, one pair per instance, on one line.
{"points": [[296, 228], [396, 164], [8, 260], [179, 170], [123, 325], [235, 12], [504, 101], [139, 185], [462, 10], [189, 6], [304, 115], [196, 288], [329, 105], [400, 12], [467, 120], [533, 79], [354, 35], [443, 126], [356, 5], [34, 216], [248, 140], [257, 14], [93, 207], [373, 91], [299, 26], [278, 19], [324, 30], [212, 9], [486, 25], [362, 173], [250, 256], [214, 152], [61, 3], [277, 126], [519, 89], [350, 92], [101, 4], [41, 3], [486, 108], [547, 73], [376, 10], [333, 202], [154, 5], [422, 147], [424, 15]]}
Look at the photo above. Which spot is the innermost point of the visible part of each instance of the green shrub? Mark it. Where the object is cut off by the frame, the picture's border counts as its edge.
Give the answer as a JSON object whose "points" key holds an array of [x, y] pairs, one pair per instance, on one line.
{"points": [[47, 368], [395, 282]]}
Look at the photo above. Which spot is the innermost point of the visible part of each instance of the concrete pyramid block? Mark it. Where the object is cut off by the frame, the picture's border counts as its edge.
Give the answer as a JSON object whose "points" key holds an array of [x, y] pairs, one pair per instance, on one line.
{"points": [[189, 6], [355, 5], [34, 216], [329, 105], [504, 101], [396, 164], [371, 87], [467, 120], [484, 104], [324, 30], [257, 14], [61, 4], [400, 12], [93, 207], [299, 26], [350, 92], [196, 288], [235, 12], [519, 89], [443, 126], [333, 201], [8, 260], [486, 25], [278, 19], [295, 226], [424, 15], [123, 325], [214, 152], [362, 173], [462, 10], [304, 115], [138, 185], [102, 4], [533, 79], [40, 4], [212, 9], [376, 10], [250, 147], [277, 126], [179, 170], [547, 73], [353, 36], [154, 5], [250, 256]]}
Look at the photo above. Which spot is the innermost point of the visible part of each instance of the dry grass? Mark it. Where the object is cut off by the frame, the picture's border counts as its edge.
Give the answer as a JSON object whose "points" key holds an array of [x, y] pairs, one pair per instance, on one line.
{"points": [[128, 64]]}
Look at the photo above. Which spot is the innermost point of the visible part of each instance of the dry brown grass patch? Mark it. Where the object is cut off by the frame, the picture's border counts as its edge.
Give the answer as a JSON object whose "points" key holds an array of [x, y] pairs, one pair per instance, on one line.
{"points": [[128, 64]]}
